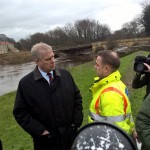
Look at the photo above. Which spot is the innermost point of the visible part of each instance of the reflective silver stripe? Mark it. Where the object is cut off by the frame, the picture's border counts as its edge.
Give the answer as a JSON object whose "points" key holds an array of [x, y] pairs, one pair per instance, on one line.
{"points": [[110, 119], [131, 119]]}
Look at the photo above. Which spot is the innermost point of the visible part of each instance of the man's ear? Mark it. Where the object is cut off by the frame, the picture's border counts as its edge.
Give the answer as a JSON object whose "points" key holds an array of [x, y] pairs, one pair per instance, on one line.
{"points": [[106, 67], [36, 61], [107, 70]]}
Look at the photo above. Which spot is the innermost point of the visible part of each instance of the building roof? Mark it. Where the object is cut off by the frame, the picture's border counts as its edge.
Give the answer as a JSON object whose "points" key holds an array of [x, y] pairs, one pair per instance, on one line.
{"points": [[5, 43]]}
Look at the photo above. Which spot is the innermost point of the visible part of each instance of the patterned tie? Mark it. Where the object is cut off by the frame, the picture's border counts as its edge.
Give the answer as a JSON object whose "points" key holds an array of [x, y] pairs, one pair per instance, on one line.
{"points": [[50, 78]]}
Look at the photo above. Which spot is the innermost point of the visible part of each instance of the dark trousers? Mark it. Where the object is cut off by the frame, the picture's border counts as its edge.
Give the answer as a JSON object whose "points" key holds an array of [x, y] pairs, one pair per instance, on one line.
{"points": [[58, 141], [1, 145], [45, 143]]}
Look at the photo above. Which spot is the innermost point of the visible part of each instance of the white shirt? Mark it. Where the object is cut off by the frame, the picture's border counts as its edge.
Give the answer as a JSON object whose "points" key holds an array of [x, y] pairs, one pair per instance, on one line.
{"points": [[44, 74]]}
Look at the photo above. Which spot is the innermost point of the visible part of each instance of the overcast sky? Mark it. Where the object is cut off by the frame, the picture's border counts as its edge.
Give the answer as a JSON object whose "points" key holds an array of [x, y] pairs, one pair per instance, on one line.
{"points": [[21, 18]]}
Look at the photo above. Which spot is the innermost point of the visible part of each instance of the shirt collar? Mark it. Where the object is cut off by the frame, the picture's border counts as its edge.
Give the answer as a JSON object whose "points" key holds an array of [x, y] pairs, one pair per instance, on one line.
{"points": [[38, 75], [44, 74]]}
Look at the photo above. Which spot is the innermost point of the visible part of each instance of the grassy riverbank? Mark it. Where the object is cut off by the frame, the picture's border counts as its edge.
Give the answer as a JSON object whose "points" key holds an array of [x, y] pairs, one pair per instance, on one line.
{"points": [[15, 138]]}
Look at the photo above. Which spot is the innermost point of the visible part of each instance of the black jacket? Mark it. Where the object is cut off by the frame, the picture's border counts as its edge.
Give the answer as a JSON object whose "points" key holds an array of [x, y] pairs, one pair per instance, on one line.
{"points": [[141, 80], [143, 123], [40, 107]]}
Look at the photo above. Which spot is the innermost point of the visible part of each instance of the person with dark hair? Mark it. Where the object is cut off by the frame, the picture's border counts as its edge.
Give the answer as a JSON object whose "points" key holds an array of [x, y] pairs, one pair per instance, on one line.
{"points": [[110, 95], [143, 116], [142, 79], [48, 103]]}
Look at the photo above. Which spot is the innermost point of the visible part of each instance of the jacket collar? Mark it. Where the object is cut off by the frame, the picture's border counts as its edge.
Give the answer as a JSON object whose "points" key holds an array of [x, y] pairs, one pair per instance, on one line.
{"points": [[115, 76], [37, 75]]}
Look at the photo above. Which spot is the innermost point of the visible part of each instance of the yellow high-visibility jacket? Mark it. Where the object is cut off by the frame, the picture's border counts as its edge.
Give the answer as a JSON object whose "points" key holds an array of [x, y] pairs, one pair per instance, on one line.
{"points": [[111, 103]]}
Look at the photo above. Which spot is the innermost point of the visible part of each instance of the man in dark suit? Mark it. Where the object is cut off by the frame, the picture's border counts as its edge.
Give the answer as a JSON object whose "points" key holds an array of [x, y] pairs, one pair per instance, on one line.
{"points": [[50, 111]]}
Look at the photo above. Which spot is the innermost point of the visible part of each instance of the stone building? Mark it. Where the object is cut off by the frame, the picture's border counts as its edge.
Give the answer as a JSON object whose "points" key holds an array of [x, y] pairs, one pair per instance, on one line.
{"points": [[6, 47]]}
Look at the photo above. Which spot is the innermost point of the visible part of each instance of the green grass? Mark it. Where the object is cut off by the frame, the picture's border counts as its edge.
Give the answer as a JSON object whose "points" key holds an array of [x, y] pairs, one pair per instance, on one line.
{"points": [[15, 138], [11, 134], [83, 76]]}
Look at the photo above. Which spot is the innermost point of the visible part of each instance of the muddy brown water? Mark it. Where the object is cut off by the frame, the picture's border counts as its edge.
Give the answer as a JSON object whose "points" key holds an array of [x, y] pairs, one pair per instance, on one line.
{"points": [[11, 74]]}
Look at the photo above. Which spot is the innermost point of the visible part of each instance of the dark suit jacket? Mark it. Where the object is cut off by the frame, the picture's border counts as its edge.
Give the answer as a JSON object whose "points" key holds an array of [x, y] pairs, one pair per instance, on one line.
{"points": [[40, 107]]}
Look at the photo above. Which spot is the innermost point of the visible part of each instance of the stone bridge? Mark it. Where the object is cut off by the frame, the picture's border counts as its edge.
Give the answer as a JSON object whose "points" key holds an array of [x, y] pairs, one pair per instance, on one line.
{"points": [[124, 42], [78, 50], [90, 48]]}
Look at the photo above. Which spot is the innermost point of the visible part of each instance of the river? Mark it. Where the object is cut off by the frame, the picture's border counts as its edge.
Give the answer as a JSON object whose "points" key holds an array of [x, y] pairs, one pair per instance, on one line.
{"points": [[11, 74]]}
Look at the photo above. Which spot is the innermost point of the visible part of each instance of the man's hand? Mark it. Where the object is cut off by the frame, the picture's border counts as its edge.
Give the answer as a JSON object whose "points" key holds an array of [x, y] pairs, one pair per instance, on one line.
{"points": [[147, 66], [135, 136], [45, 132]]}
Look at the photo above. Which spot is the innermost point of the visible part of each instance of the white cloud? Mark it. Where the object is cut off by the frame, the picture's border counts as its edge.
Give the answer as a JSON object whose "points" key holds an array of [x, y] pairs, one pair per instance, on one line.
{"points": [[21, 18]]}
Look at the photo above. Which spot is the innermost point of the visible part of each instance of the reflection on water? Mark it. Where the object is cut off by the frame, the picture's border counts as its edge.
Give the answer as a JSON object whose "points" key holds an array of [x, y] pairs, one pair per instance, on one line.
{"points": [[11, 74]]}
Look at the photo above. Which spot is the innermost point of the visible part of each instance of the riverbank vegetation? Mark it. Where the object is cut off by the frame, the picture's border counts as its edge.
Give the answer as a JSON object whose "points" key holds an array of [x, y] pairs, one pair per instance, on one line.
{"points": [[15, 57], [15, 138]]}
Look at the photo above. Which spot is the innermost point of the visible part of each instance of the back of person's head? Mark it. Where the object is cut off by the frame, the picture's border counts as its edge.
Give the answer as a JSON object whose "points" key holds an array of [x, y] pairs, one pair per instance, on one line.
{"points": [[37, 48], [110, 58]]}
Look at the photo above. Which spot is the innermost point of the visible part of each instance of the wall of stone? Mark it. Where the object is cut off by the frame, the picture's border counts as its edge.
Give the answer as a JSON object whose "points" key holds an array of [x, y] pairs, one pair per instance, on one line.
{"points": [[124, 42], [6, 47]]}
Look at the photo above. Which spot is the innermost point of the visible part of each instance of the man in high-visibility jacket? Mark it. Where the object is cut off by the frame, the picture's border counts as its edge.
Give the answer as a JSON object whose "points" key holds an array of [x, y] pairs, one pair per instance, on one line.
{"points": [[110, 95]]}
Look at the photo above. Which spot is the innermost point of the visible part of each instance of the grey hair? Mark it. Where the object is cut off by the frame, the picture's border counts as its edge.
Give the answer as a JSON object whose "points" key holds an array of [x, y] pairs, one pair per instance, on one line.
{"points": [[37, 48]]}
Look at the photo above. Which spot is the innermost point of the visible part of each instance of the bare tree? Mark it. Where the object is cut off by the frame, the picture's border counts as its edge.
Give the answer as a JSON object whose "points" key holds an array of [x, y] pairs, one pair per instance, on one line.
{"points": [[131, 29], [71, 34], [90, 30], [25, 44], [81, 32], [146, 16]]}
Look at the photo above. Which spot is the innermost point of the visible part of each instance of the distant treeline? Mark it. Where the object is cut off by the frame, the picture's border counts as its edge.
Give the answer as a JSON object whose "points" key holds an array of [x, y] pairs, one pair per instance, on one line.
{"points": [[87, 31]]}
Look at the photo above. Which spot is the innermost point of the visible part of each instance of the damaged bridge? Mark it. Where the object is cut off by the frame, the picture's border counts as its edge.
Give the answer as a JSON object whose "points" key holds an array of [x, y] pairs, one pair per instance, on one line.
{"points": [[78, 50]]}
